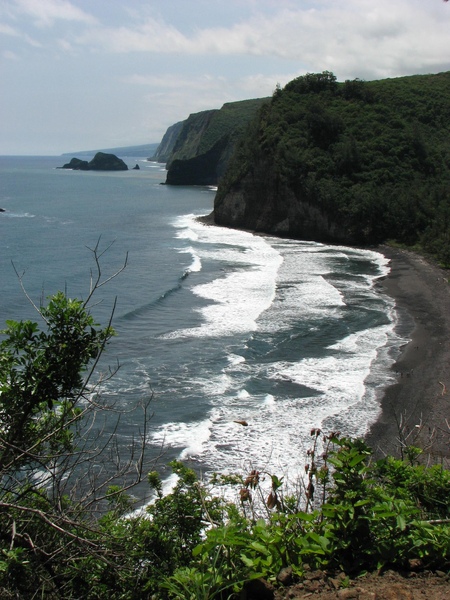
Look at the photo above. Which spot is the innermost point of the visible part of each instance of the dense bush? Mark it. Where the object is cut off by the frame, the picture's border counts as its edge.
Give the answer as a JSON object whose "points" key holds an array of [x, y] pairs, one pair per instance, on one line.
{"points": [[367, 515]]}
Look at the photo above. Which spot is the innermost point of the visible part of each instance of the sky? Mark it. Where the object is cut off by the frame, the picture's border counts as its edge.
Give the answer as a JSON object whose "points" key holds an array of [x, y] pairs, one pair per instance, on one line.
{"points": [[90, 74]]}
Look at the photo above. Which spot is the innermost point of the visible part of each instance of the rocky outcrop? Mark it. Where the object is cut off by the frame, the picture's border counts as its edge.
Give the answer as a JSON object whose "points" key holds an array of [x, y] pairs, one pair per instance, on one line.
{"points": [[107, 162], [76, 164], [101, 162]]}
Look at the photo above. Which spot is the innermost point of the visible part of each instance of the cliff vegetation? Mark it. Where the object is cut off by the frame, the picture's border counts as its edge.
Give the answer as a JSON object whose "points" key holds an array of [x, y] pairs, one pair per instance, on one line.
{"points": [[354, 162]]}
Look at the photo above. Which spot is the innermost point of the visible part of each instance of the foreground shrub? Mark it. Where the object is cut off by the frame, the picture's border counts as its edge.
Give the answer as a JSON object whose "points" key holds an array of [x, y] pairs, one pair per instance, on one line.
{"points": [[370, 515]]}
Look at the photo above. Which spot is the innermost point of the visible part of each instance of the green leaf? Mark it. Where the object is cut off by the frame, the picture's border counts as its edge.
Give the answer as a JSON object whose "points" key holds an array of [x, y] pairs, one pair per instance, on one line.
{"points": [[259, 547], [362, 502], [249, 562], [401, 522]]}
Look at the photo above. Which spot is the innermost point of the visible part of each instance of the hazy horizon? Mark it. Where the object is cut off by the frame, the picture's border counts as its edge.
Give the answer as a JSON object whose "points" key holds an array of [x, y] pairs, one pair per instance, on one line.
{"points": [[77, 74]]}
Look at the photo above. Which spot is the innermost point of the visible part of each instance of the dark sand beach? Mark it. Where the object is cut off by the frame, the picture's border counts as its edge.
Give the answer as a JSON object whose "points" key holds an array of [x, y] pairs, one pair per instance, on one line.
{"points": [[417, 407]]}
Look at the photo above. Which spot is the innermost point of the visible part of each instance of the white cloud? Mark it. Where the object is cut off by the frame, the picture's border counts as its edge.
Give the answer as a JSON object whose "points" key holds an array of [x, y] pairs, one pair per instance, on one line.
{"points": [[381, 38], [46, 12], [263, 85], [8, 30], [9, 55], [65, 45], [176, 81], [12, 32], [350, 37], [151, 36], [215, 89], [151, 63]]}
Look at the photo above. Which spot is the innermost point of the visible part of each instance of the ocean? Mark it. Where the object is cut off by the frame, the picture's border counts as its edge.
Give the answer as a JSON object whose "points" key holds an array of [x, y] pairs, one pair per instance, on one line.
{"points": [[214, 325]]}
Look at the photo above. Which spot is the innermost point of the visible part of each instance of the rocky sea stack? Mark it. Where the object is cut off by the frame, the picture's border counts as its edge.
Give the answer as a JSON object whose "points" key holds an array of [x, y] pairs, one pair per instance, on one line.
{"points": [[100, 162]]}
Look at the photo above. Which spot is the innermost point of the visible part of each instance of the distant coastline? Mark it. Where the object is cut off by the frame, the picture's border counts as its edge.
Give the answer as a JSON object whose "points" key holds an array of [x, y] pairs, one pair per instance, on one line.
{"points": [[142, 151]]}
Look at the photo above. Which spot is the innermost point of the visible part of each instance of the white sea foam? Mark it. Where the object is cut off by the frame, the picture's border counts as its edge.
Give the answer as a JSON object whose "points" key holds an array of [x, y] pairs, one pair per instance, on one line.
{"points": [[235, 359], [247, 288], [311, 285], [269, 401], [191, 437], [196, 264], [14, 215]]}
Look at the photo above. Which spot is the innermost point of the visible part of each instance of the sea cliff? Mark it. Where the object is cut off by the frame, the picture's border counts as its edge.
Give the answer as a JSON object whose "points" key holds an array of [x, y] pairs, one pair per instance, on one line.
{"points": [[166, 146], [354, 163], [197, 151]]}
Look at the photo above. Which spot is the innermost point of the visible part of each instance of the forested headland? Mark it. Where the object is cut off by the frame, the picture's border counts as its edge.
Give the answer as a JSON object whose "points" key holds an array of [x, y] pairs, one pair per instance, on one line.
{"points": [[354, 162]]}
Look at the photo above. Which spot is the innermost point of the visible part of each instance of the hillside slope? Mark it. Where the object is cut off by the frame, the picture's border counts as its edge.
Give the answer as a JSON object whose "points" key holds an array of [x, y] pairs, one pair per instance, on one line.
{"points": [[354, 162]]}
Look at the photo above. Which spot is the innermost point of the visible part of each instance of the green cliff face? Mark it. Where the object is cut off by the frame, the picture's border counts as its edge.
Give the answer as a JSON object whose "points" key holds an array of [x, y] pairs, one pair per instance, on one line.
{"points": [[166, 146], [354, 162], [206, 141]]}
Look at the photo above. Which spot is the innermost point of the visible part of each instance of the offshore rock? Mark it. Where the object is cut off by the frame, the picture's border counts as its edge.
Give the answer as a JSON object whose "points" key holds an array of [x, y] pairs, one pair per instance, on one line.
{"points": [[76, 164], [101, 162], [107, 162]]}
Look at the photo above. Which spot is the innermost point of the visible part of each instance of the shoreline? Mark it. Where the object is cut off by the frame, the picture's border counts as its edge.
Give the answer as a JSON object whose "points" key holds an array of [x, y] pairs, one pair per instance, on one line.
{"points": [[416, 408]]}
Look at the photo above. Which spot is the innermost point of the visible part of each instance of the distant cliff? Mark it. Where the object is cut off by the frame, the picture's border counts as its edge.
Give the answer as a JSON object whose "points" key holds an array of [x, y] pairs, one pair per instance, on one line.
{"points": [[205, 143], [166, 146], [355, 163]]}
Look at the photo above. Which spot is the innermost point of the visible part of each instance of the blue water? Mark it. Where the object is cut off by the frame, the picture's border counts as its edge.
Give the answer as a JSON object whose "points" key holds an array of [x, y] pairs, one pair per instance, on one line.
{"points": [[215, 325]]}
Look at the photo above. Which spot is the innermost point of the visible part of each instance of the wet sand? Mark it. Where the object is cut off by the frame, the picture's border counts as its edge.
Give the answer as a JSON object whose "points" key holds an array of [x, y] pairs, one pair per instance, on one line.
{"points": [[417, 408]]}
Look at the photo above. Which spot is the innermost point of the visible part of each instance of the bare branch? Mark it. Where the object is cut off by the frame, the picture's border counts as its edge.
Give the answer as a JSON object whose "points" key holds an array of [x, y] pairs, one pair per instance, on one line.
{"points": [[96, 282], [28, 297]]}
